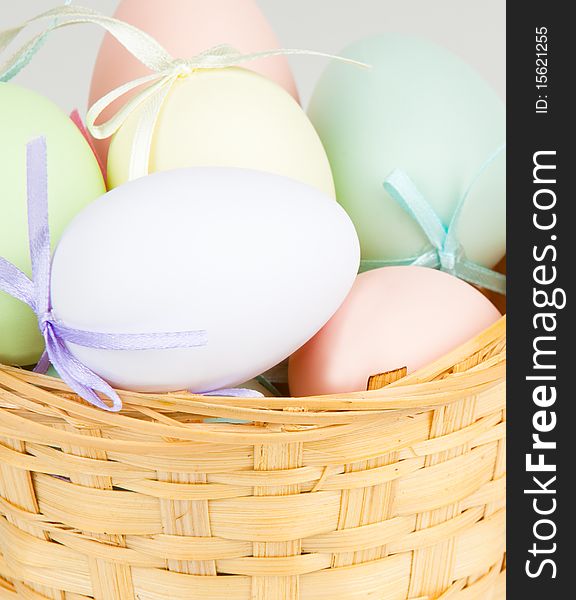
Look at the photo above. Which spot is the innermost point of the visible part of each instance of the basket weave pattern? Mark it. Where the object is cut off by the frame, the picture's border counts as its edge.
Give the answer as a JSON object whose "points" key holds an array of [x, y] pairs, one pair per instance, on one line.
{"points": [[396, 493]]}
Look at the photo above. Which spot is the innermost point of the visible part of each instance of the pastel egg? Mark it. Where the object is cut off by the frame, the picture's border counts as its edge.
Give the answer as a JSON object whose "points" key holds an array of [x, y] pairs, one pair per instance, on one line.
{"points": [[394, 317], [194, 249], [186, 28], [74, 180], [422, 110], [230, 118], [52, 372]]}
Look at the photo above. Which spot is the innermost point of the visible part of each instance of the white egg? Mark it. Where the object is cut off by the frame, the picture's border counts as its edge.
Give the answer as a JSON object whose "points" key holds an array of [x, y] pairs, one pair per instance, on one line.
{"points": [[257, 260]]}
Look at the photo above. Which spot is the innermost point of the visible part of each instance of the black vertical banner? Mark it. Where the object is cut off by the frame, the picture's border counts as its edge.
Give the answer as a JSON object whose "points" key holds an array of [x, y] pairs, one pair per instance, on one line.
{"points": [[541, 264]]}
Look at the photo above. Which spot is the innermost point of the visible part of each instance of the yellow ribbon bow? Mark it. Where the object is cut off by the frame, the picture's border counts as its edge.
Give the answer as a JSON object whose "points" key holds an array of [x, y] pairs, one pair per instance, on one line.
{"points": [[155, 87]]}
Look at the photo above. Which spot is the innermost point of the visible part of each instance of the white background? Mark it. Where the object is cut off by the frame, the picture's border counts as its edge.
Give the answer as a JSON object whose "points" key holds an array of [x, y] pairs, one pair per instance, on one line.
{"points": [[474, 29]]}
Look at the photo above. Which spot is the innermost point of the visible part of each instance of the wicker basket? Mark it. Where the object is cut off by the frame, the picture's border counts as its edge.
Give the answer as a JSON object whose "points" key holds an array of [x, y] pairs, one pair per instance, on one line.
{"points": [[393, 494]]}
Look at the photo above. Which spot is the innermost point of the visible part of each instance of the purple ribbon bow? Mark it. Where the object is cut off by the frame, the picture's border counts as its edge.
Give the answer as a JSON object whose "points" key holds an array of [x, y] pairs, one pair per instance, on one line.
{"points": [[36, 293]]}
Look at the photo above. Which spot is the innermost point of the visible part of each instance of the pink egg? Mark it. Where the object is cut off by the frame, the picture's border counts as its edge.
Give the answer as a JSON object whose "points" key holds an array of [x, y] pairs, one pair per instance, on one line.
{"points": [[393, 317], [185, 28]]}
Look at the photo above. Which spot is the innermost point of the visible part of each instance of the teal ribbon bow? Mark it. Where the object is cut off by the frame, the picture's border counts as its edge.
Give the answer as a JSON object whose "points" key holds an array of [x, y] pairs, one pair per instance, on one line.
{"points": [[446, 252]]}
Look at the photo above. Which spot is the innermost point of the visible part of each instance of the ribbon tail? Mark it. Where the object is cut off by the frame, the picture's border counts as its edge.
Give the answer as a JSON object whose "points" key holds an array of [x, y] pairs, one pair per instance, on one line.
{"points": [[8, 36], [481, 276], [38, 231], [235, 393], [144, 134], [131, 341], [16, 284], [452, 234], [22, 58], [428, 259], [239, 58], [110, 127], [404, 191], [483, 168], [140, 44], [80, 378], [43, 364]]}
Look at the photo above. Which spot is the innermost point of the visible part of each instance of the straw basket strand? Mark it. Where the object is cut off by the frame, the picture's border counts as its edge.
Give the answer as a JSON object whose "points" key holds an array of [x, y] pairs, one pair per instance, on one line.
{"points": [[396, 493]]}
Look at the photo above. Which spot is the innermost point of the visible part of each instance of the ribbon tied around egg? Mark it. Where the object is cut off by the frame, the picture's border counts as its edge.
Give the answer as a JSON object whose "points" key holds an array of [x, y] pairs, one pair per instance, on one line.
{"points": [[446, 252], [155, 87], [36, 293]]}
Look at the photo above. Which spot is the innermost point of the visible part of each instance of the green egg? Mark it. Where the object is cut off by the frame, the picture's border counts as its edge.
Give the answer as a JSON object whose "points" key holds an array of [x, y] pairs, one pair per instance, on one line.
{"points": [[74, 180], [423, 110]]}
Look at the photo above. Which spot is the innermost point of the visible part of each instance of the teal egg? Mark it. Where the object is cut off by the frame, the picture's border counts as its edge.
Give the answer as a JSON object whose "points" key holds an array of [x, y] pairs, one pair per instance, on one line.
{"points": [[423, 110], [52, 372]]}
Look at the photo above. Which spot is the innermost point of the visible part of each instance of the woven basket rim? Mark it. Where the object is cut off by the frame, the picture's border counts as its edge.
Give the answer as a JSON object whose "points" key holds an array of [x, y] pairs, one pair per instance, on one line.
{"points": [[25, 395]]}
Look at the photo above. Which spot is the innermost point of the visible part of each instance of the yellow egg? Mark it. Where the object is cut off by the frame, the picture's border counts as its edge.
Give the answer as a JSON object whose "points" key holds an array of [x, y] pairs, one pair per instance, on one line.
{"points": [[228, 117], [186, 28]]}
